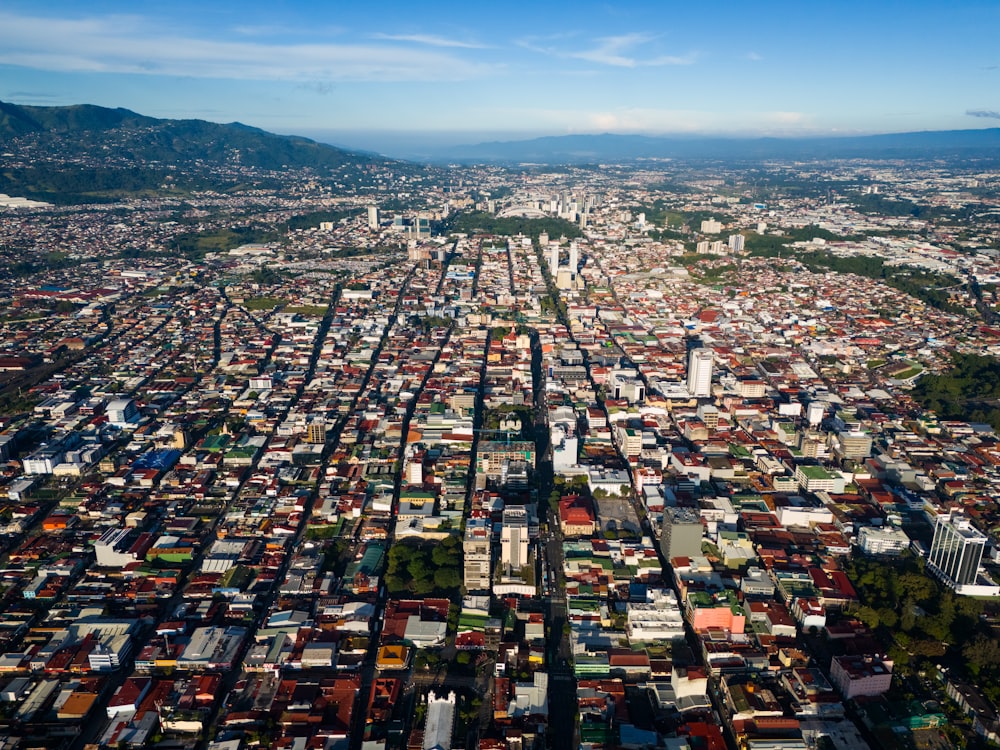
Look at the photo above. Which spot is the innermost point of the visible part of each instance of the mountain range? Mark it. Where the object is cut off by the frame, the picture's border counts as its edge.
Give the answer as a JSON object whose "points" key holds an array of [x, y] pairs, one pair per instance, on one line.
{"points": [[610, 147], [85, 151], [120, 134]]}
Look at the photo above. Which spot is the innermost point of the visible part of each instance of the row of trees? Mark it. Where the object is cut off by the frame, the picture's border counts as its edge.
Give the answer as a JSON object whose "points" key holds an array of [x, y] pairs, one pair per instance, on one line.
{"points": [[480, 221]]}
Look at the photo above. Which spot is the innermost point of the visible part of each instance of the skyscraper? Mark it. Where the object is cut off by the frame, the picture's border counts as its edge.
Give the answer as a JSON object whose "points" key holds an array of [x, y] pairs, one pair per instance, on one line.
{"points": [[956, 550], [554, 259], [681, 533], [514, 539], [373, 217], [699, 381]]}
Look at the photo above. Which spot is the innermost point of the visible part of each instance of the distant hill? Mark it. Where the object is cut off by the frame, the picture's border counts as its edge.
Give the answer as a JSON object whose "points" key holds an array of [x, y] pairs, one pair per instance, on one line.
{"points": [[609, 147], [85, 153], [87, 129]]}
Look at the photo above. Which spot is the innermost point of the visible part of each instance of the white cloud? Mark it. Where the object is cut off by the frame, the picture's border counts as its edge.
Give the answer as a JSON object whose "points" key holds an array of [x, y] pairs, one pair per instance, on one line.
{"points": [[127, 44], [273, 30], [611, 51], [615, 51], [430, 40]]}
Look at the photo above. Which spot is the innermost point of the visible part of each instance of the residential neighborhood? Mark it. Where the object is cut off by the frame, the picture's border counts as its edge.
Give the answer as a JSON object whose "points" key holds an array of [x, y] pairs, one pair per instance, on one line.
{"points": [[389, 481]]}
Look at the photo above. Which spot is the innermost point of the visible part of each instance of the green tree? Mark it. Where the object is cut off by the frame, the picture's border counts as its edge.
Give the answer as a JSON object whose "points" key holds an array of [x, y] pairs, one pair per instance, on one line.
{"points": [[982, 654], [447, 578], [908, 620]]}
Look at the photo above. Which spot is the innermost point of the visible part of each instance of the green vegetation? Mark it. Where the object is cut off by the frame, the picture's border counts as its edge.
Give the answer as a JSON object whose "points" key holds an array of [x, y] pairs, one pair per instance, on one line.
{"points": [[916, 618], [263, 303], [313, 219], [493, 417], [265, 276], [880, 205], [982, 660], [425, 569], [479, 222], [85, 128], [710, 274], [925, 286], [194, 245], [774, 245], [660, 214], [66, 184], [872, 203], [101, 155], [967, 392], [16, 265], [317, 311]]}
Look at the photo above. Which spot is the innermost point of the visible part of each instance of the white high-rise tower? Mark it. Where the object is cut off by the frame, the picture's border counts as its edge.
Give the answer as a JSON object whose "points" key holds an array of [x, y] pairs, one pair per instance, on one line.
{"points": [[554, 260], [956, 550], [699, 381]]}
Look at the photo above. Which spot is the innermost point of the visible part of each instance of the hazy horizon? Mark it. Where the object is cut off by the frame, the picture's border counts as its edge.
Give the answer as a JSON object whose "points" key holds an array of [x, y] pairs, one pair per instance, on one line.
{"points": [[409, 143]]}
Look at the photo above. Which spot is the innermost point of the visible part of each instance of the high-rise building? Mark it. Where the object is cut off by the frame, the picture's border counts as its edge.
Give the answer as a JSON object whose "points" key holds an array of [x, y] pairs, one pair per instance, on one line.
{"points": [[514, 539], [856, 445], [815, 412], [373, 217], [316, 432], [476, 549], [681, 533], [699, 382], [554, 259], [736, 243], [122, 412], [956, 550], [574, 257]]}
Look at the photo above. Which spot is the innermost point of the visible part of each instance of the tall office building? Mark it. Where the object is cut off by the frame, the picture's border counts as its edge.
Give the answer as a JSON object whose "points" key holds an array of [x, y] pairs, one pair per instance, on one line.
{"points": [[554, 259], [574, 257], [476, 549], [956, 550], [681, 533], [373, 217], [514, 539], [736, 243], [815, 412], [316, 432], [699, 381]]}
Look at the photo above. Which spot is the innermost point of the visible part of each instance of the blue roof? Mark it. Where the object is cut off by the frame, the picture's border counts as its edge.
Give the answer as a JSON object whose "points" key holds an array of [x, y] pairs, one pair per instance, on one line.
{"points": [[161, 460]]}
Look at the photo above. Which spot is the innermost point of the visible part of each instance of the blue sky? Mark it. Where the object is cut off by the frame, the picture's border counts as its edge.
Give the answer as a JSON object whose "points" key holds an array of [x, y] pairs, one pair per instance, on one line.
{"points": [[468, 71]]}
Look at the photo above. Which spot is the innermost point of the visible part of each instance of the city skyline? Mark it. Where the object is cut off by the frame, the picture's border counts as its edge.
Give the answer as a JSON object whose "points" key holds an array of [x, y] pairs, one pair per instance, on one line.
{"points": [[461, 73]]}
